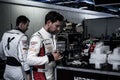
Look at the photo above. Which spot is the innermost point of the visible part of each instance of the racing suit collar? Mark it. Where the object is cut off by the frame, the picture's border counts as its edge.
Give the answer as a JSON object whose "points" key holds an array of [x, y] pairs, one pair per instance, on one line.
{"points": [[19, 30], [46, 34]]}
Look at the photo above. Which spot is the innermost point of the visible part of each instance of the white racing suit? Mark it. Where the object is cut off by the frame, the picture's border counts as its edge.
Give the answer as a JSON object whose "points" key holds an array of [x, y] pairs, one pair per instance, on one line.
{"points": [[14, 45], [41, 45]]}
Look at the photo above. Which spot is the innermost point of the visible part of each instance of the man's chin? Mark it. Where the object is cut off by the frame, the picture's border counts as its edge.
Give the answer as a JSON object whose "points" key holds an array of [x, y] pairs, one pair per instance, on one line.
{"points": [[53, 33]]}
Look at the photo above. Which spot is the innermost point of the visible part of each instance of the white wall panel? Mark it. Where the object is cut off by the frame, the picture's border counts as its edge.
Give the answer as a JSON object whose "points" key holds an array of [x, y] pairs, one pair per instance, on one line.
{"points": [[5, 21], [38, 18]]}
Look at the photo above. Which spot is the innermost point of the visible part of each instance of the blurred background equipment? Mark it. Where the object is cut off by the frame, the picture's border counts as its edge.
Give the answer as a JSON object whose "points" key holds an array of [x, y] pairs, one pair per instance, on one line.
{"points": [[114, 59], [70, 40]]}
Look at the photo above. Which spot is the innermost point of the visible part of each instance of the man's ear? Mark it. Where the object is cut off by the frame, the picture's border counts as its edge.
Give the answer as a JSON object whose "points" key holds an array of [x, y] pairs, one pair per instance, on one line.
{"points": [[49, 22], [21, 25]]}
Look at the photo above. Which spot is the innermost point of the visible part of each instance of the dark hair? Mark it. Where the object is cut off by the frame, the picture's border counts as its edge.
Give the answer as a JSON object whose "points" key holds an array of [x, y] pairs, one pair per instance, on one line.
{"points": [[22, 19], [53, 16]]}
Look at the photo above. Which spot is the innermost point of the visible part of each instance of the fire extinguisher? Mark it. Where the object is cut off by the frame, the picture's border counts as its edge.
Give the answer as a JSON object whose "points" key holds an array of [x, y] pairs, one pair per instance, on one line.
{"points": [[92, 47]]}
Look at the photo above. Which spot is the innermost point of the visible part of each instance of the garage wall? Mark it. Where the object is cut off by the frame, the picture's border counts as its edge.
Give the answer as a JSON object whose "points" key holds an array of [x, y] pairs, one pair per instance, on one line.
{"points": [[9, 13], [10, 10]]}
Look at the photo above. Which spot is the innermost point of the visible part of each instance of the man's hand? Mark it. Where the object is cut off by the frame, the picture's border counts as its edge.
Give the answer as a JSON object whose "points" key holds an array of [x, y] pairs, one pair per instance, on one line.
{"points": [[57, 55]]}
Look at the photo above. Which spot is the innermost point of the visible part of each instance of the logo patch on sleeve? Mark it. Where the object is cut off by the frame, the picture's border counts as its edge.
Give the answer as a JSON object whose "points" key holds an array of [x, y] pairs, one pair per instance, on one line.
{"points": [[34, 42]]}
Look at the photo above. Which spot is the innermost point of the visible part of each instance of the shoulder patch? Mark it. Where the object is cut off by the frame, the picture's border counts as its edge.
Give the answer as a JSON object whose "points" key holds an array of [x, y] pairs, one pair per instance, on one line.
{"points": [[34, 42]]}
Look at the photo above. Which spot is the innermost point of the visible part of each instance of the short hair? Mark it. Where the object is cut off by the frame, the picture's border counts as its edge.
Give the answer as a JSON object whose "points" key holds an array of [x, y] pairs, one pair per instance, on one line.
{"points": [[22, 19], [53, 16]]}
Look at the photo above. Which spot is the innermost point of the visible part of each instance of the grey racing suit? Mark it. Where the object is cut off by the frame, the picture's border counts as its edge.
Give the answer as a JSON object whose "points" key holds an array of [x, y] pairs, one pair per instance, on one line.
{"points": [[14, 45]]}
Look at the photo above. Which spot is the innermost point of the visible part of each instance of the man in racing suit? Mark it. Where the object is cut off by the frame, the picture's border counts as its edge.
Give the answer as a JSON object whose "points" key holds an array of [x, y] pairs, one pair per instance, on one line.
{"points": [[42, 51], [14, 46]]}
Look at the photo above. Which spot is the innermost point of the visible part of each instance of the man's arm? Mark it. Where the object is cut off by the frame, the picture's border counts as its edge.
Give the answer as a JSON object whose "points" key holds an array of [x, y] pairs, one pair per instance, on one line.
{"points": [[23, 49], [34, 49], [2, 55]]}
